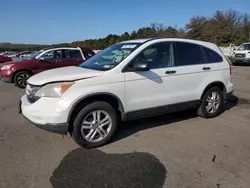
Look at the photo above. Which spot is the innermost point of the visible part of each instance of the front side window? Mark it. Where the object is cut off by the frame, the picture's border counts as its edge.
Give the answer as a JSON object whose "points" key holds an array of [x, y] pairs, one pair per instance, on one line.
{"points": [[157, 56], [52, 55], [188, 54], [212, 56], [72, 54], [110, 57], [34, 54]]}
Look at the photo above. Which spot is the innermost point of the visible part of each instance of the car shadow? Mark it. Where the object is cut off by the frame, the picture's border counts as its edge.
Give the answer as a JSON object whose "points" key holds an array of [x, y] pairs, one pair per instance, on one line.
{"points": [[131, 127], [83, 168], [232, 101]]}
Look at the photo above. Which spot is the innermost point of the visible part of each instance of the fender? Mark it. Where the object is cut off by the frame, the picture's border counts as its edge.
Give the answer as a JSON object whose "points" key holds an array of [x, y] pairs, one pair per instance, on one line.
{"points": [[120, 104]]}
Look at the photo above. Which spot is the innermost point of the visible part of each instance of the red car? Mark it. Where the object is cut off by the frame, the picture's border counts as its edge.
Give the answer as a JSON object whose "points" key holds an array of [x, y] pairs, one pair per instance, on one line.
{"points": [[4, 59], [19, 71]]}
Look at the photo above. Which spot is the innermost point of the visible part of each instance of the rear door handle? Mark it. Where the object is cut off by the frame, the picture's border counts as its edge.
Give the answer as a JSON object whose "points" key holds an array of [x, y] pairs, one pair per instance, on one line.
{"points": [[170, 72], [206, 68]]}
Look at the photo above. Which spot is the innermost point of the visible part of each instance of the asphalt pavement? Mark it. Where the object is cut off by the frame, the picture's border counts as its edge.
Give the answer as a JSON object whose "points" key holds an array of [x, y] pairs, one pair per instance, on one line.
{"points": [[175, 151]]}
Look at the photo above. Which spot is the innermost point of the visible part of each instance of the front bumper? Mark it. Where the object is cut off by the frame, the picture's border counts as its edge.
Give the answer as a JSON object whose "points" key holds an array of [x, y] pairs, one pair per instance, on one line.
{"points": [[6, 75], [241, 60], [49, 114], [5, 79]]}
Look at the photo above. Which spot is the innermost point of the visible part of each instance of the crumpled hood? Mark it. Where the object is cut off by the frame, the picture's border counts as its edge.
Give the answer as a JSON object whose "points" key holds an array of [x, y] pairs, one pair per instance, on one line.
{"points": [[63, 74]]}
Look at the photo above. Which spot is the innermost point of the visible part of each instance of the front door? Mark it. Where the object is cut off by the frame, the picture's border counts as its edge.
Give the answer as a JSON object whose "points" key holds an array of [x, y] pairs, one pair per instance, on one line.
{"points": [[174, 76], [50, 60]]}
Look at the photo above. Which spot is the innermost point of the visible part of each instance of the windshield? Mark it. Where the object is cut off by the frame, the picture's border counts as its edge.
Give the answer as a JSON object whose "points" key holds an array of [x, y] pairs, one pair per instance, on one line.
{"points": [[34, 54], [110, 57], [244, 47]]}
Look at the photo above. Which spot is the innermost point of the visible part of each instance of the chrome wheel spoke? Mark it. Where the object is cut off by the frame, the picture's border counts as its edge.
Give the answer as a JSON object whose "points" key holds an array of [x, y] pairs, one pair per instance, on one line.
{"points": [[94, 116], [213, 108], [86, 127], [209, 107], [93, 135], [87, 123], [106, 122], [214, 95], [102, 132], [98, 114], [209, 100]]}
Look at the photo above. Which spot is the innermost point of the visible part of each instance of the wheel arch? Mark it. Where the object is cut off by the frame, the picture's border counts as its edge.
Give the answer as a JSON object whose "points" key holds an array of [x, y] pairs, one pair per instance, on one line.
{"points": [[18, 70], [110, 98], [218, 84]]}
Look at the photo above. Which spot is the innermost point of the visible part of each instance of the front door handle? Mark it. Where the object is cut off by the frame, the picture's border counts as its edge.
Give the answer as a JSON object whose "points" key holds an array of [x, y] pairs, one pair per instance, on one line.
{"points": [[170, 72], [206, 68]]}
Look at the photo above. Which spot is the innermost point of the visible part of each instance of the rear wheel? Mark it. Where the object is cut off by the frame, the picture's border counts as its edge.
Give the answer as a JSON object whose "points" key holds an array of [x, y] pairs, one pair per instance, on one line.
{"points": [[20, 79], [94, 125], [211, 104]]}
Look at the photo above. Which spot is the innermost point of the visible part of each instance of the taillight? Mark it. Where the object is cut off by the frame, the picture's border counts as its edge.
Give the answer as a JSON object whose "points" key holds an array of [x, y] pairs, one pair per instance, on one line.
{"points": [[230, 66]]}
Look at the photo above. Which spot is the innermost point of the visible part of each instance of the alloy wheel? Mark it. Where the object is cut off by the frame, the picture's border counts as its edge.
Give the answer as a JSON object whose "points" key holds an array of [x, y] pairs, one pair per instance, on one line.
{"points": [[212, 102], [22, 80], [96, 126]]}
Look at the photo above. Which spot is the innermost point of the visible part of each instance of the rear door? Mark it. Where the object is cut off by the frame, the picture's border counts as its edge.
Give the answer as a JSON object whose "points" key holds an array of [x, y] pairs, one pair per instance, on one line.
{"points": [[72, 57], [187, 74]]}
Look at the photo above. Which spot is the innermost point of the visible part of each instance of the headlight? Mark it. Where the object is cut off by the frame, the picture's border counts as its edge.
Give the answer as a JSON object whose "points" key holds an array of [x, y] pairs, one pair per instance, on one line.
{"points": [[54, 90], [6, 67]]}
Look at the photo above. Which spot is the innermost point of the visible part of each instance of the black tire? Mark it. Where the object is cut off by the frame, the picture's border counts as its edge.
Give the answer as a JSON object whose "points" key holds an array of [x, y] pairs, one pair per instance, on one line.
{"points": [[76, 132], [20, 79], [202, 111]]}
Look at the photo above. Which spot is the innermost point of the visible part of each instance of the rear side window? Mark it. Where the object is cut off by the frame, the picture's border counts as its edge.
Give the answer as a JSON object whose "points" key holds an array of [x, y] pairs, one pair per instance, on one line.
{"points": [[212, 56], [188, 54], [68, 54]]}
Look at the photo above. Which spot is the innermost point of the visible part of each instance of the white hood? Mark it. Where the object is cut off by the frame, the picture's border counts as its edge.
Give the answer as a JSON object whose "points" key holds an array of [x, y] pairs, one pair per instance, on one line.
{"points": [[241, 51], [63, 74]]}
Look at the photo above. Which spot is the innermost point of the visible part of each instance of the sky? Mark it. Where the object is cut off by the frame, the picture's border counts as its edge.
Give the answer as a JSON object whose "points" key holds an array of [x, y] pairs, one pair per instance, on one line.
{"points": [[58, 21]]}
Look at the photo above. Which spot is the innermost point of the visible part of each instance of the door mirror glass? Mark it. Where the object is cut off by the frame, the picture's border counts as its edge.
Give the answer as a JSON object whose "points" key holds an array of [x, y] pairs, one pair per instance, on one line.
{"points": [[140, 66], [41, 59]]}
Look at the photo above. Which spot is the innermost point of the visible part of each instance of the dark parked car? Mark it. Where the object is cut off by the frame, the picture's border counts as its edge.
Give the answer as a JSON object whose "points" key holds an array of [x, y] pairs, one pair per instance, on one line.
{"points": [[19, 71], [4, 59]]}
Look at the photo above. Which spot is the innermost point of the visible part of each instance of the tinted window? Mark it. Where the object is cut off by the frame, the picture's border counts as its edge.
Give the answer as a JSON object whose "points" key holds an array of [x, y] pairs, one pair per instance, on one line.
{"points": [[52, 55], [188, 54], [69, 54], [158, 56], [212, 56]]}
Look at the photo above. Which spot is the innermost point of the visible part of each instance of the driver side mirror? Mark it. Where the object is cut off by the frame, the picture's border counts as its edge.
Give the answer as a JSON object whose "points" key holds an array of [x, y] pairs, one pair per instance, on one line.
{"points": [[140, 66], [41, 59]]}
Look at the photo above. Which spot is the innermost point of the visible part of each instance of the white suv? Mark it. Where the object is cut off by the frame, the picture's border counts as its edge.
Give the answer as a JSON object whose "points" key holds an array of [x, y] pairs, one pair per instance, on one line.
{"points": [[242, 54], [129, 80]]}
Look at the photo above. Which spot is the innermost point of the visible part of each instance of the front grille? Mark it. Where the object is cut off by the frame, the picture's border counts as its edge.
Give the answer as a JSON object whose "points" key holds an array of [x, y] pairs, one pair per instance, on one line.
{"points": [[240, 55], [30, 92]]}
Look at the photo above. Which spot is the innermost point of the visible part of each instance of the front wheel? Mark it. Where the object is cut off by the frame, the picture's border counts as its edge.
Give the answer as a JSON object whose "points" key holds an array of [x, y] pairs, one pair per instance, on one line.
{"points": [[20, 79], [211, 103], [94, 125]]}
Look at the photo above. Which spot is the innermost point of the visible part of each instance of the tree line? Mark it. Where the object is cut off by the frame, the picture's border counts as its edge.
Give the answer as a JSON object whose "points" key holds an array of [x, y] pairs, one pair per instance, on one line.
{"points": [[222, 28]]}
